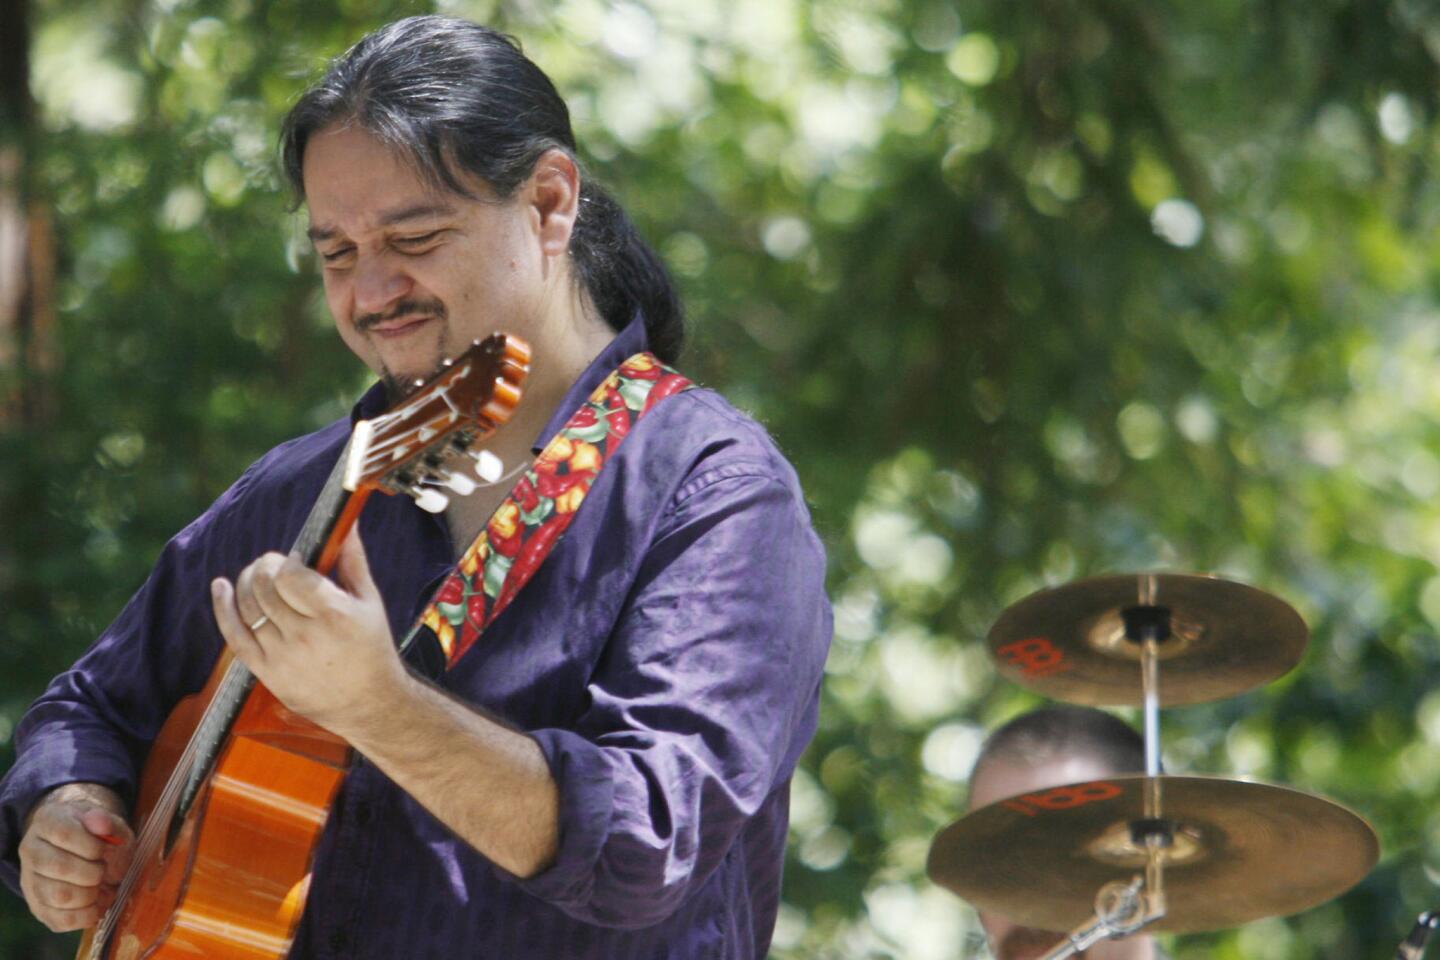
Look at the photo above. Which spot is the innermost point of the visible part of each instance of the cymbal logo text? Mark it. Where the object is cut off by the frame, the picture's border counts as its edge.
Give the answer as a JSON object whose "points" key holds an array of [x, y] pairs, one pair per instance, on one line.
{"points": [[1035, 656], [1064, 798]]}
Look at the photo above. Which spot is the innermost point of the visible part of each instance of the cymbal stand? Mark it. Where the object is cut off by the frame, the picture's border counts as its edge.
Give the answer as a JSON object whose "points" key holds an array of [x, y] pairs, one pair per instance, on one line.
{"points": [[1414, 946], [1120, 910], [1124, 908]]}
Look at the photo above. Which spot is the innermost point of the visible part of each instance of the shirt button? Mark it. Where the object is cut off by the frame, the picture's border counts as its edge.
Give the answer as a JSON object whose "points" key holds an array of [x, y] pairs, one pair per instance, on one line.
{"points": [[363, 813], [339, 942]]}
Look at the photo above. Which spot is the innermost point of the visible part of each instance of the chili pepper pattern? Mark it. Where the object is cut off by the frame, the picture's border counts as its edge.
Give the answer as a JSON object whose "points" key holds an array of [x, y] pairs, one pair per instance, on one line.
{"points": [[531, 520]]}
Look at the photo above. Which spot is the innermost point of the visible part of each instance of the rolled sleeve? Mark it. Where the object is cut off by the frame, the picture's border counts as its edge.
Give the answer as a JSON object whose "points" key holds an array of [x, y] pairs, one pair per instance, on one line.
{"points": [[73, 750], [700, 707]]}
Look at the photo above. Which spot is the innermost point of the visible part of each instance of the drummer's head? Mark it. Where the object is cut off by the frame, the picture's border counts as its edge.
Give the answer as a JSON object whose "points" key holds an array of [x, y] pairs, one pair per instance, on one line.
{"points": [[1042, 749], [1052, 746]]}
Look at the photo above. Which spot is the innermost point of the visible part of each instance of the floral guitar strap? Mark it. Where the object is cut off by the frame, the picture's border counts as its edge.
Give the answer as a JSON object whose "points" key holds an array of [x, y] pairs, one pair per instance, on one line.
{"points": [[531, 520]]}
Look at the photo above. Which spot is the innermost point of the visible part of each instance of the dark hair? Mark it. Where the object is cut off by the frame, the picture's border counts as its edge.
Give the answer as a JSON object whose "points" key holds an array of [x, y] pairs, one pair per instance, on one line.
{"points": [[1035, 737], [448, 94]]}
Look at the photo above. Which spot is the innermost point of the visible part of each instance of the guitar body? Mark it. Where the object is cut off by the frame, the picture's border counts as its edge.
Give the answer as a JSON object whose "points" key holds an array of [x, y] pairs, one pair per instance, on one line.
{"points": [[233, 884]]}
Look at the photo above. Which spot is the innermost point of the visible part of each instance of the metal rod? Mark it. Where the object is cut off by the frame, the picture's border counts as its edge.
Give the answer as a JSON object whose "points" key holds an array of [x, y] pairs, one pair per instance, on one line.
{"points": [[1155, 844], [1154, 892], [1150, 684]]}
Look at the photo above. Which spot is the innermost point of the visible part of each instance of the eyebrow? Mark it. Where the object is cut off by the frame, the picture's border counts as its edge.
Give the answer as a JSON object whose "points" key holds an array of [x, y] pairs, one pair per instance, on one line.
{"points": [[414, 212]]}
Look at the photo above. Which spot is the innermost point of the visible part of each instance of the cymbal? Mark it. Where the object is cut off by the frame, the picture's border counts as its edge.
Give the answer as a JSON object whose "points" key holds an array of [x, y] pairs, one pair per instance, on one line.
{"points": [[1241, 851], [1069, 642]]}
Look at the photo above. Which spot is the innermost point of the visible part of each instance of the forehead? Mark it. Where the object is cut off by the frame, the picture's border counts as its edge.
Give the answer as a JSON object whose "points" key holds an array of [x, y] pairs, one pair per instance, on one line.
{"points": [[354, 182], [1001, 777]]}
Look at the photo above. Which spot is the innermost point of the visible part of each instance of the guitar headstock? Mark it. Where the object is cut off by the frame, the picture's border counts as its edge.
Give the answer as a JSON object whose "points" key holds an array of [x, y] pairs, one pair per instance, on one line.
{"points": [[427, 440]]}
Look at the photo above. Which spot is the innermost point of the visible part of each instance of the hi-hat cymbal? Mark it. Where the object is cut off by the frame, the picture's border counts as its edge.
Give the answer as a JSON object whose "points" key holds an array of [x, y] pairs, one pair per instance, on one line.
{"points": [[1241, 851], [1070, 642]]}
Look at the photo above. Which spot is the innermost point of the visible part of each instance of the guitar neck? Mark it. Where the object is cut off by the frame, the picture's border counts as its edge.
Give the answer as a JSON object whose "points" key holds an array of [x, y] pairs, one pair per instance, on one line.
{"points": [[320, 524]]}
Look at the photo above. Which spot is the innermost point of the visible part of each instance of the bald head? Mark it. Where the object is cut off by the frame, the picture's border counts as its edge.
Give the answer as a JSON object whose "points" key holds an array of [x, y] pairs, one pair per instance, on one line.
{"points": [[1036, 751], [1062, 744]]}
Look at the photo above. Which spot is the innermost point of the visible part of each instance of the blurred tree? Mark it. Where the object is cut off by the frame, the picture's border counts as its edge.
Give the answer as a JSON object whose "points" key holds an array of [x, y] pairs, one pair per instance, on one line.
{"points": [[1028, 291], [27, 321], [27, 310]]}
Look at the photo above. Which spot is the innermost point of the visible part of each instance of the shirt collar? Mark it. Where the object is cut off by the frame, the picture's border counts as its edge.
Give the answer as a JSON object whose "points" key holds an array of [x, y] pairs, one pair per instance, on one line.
{"points": [[371, 404], [627, 343]]}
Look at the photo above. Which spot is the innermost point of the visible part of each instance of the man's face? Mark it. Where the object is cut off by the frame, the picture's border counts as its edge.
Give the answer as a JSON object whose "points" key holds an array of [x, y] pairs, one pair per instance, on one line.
{"points": [[414, 274], [999, 778]]}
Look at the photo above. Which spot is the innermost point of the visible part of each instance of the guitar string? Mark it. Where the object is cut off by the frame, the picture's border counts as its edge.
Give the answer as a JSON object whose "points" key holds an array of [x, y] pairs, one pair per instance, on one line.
{"points": [[377, 452]]}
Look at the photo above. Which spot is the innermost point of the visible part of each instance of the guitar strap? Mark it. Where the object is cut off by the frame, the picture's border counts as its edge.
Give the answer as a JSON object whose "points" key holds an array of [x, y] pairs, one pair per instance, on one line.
{"points": [[532, 519]]}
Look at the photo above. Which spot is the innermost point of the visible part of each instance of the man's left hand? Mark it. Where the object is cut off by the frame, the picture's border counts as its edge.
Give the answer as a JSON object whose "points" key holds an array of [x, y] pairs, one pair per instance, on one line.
{"points": [[323, 648]]}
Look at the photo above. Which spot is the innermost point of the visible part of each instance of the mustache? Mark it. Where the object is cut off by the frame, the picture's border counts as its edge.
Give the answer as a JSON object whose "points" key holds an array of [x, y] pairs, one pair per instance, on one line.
{"points": [[405, 308]]}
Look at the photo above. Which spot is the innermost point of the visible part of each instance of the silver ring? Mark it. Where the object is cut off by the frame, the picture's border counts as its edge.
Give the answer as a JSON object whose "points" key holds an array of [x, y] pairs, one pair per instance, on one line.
{"points": [[259, 623]]}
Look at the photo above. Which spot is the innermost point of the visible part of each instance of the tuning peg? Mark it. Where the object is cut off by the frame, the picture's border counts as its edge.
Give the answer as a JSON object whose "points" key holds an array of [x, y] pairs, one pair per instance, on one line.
{"points": [[431, 500], [460, 483], [488, 466]]}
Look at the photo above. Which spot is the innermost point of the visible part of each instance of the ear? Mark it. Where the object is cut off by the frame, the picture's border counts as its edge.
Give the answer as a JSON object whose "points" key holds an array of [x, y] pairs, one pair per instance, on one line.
{"points": [[554, 194]]}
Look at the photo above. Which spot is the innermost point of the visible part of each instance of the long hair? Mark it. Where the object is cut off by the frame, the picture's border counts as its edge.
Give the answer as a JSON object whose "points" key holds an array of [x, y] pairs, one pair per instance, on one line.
{"points": [[452, 96]]}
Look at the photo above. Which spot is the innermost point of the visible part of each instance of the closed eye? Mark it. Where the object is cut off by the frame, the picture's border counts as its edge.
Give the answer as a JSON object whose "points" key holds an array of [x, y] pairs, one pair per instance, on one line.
{"points": [[419, 240]]}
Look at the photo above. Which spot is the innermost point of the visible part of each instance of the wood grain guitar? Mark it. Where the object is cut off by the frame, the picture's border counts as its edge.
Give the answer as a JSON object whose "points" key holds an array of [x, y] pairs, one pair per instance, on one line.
{"points": [[237, 788]]}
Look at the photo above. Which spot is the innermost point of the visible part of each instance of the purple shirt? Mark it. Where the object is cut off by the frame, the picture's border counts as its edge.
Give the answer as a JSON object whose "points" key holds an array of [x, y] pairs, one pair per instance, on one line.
{"points": [[666, 658]]}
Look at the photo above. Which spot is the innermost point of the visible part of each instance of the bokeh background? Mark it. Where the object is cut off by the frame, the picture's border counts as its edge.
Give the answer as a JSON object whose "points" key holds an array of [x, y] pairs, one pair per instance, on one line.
{"points": [[1027, 290]]}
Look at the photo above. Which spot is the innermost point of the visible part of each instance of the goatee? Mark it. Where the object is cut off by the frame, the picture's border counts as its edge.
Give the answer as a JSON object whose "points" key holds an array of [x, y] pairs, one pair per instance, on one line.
{"points": [[397, 387]]}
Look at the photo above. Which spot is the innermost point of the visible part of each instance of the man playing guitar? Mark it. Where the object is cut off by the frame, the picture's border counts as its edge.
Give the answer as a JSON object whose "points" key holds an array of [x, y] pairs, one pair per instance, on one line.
{"points": [[604, 773]]}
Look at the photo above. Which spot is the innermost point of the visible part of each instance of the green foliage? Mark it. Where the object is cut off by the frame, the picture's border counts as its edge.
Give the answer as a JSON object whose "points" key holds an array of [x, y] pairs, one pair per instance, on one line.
{"points": [[1028, 291]]}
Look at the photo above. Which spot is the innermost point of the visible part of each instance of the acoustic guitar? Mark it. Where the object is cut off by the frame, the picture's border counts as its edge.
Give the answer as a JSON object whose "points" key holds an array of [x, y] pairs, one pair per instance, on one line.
{"points": [[237, 788]]}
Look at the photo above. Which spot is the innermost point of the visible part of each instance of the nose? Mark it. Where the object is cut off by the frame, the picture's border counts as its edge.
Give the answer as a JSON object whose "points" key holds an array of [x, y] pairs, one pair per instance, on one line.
{"points": [[379, 282]]}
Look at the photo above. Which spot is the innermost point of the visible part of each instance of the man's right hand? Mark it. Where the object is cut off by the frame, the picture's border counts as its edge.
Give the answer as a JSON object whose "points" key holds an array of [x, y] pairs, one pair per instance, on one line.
{"points": [[75, 851]]}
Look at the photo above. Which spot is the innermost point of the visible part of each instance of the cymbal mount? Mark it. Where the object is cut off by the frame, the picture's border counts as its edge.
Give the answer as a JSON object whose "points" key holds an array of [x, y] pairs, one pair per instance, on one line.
{"points": [[1120, 910], [1145, 622]]}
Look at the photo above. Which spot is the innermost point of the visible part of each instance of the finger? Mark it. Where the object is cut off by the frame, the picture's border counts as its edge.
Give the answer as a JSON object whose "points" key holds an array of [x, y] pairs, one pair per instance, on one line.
{"points": [[353, 567], [63, 921], [43, 859], [117, 863], [60, 825], [290, 621], [106, 826], [301, 589], [60, 895], [119, 840], [106, 894], [237, 635], [247, 601]]}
